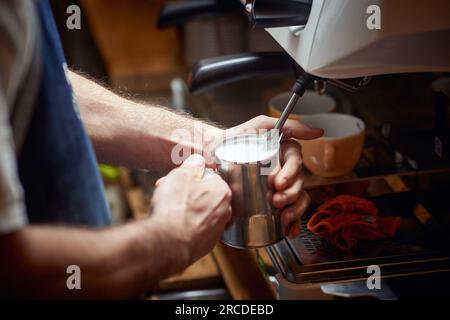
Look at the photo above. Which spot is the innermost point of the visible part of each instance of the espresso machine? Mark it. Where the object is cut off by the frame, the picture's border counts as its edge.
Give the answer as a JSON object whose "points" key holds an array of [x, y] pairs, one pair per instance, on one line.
{"points": [[343, 44]]}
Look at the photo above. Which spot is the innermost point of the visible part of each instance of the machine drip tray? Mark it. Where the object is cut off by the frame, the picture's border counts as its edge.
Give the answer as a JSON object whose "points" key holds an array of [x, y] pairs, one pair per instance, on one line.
{"points": [[415, 249]]}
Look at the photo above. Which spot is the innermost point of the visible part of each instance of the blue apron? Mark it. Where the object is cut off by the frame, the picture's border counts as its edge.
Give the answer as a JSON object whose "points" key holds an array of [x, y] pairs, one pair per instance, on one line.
{"points": [[57, 164]]}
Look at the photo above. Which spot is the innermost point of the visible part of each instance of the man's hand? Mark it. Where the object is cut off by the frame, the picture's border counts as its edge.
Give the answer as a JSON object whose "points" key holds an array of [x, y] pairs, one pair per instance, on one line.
{"points": [[134, 135], [287, 181], [192, 209]]}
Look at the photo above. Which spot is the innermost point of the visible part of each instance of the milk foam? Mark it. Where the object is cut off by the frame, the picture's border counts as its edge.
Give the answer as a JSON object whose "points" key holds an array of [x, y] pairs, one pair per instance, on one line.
{"points": [[245, 149]]}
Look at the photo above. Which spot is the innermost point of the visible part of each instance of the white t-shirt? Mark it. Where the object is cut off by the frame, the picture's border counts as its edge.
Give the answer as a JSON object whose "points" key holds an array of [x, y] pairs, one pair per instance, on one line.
{"points": [[19, 81]]}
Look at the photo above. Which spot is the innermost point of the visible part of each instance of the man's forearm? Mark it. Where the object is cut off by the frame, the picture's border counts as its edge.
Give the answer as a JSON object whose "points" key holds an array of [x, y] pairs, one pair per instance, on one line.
{"points": [[120, 262], [133, 134]]}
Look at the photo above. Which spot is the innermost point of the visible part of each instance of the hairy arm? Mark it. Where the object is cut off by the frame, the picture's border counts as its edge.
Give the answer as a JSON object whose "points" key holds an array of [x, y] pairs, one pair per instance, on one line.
{"points": [[120, 262], [132, 134]]}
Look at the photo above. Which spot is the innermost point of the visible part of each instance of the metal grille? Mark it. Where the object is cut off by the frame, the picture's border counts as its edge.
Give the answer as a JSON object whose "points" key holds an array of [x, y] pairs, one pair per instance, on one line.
{"points": [[310, 248], [311, 242]]}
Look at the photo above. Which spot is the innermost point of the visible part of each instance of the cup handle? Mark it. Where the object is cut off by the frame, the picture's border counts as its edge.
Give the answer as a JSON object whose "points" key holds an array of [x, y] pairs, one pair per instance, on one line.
{"points": [[329, 156]]}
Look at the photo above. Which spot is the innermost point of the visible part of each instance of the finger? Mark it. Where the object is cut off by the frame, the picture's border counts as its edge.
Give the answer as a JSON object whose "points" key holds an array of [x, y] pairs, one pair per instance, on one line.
{"points": [[159, 181], [294, 230], [191, 169], [225, 218], [195, 165], [291, 129], [294, 212], [217, 185], [209, 173], [252, 126], [289, 195], [220, 215], [292, 163], [219, 202], [273, 175]]}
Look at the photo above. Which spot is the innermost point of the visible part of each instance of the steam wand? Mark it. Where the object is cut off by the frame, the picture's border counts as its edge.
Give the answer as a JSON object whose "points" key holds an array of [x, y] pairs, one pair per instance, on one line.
{"points": [[297, 90], [273, 137]]}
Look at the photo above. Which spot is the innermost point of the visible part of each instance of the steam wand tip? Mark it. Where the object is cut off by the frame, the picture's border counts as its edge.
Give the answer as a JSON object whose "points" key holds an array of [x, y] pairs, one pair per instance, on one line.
{"points": [[298, 89]]}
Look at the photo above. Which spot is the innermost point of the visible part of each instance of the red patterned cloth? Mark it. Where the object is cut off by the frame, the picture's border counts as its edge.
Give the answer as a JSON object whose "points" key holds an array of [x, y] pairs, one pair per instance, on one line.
{"points": [[345, 219]]}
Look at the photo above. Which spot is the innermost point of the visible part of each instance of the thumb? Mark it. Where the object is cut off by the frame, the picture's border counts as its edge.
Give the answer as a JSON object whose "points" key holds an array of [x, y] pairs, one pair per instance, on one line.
{"points": [[195, 165]]}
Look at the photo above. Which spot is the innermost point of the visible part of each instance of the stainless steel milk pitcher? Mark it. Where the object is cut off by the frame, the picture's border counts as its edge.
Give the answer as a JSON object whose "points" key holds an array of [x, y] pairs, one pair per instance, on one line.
{"points": [[255, 222]]}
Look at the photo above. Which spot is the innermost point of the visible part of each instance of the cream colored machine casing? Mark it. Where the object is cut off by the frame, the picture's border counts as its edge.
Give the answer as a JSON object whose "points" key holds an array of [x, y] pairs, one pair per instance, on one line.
{"points": [[336, 42]]}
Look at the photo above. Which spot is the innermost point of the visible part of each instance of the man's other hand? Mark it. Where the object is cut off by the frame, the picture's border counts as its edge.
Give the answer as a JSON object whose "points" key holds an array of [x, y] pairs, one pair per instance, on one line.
{"points": [[193, 209]]}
